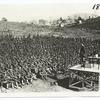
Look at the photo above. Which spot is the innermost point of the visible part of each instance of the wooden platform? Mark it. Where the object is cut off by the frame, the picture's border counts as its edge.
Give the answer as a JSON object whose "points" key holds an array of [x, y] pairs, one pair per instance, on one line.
{"points": [[87, 68], [85, 78]]}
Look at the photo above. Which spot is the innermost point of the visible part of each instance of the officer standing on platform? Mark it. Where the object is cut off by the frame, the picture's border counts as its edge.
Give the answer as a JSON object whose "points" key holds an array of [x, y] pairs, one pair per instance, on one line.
{"points": [[82, 53]]}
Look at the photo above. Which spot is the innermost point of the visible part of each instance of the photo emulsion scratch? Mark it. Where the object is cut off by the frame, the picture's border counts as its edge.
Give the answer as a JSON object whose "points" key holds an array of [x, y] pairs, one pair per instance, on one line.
{"points": [[50, 48]]}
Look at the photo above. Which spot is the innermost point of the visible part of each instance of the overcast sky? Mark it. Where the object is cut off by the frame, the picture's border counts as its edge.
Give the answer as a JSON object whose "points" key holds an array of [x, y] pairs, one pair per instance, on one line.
{"points": [[26, 10]]}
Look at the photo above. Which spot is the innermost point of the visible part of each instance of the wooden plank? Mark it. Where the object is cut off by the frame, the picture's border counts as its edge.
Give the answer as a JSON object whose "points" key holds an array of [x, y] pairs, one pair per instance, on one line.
{"points": [[84, 80], [51, 80], [86, 69], [74, 87]]}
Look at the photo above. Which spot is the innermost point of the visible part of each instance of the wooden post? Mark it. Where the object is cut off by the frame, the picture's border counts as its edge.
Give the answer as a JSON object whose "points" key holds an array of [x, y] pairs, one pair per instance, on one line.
{"points": [[16, 84], [7, 85], [91, 83], [12, 84], [22, 82]]}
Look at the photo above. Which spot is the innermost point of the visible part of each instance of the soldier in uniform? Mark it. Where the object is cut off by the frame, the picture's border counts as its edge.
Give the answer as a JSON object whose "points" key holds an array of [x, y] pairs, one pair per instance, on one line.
{"points": [[82, 54]]}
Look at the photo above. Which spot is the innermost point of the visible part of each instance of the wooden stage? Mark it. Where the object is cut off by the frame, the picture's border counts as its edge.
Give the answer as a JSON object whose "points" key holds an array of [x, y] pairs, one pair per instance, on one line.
{"points": [[85, 78], [87, 68]]}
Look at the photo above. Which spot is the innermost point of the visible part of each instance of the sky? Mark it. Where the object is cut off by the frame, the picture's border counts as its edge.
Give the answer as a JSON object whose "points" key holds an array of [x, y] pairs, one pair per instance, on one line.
{"points": [[27, 10]]}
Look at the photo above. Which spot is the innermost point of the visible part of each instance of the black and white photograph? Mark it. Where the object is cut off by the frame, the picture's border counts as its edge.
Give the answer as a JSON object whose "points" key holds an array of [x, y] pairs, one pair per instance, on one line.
{"points": [[50, 46]]}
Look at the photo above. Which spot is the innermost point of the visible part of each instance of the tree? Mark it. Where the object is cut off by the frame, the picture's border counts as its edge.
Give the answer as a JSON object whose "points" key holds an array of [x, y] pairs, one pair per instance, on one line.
{"points": [[4, 19], [61, 22], [79, 20]]}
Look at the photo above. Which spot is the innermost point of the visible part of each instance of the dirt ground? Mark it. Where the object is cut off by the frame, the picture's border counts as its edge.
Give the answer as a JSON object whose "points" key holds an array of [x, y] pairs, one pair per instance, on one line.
{"points": [[37, 86]]}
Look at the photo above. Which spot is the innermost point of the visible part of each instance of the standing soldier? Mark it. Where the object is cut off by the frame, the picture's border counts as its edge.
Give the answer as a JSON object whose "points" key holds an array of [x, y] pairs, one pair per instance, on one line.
{"points": [[82, 53]]}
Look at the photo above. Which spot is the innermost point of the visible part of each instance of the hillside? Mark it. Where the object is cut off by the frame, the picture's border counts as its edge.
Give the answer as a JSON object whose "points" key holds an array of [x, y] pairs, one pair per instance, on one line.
{"points": [[91, 25], [21, 28]]}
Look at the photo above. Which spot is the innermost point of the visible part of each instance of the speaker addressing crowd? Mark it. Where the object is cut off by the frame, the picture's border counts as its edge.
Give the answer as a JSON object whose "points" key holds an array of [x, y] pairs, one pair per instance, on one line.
{"points": [[82, 54]]}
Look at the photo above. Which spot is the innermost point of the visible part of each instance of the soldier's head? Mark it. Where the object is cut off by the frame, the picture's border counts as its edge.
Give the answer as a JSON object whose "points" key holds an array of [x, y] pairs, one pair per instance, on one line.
{"points": [[82, 44]]}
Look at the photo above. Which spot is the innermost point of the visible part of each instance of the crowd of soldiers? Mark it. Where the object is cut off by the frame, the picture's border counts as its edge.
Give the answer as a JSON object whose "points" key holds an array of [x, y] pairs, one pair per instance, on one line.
{"points": [[24, 59]]}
